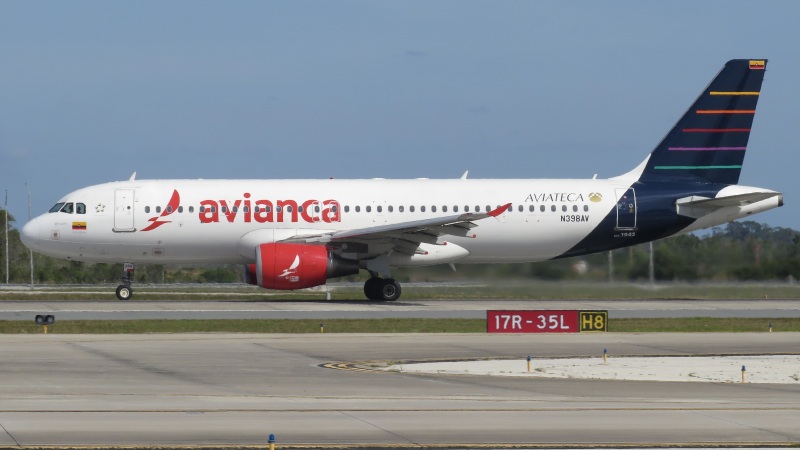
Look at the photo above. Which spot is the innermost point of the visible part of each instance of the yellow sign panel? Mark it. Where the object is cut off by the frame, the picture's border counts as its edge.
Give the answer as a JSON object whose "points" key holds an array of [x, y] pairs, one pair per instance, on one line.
{"points": [[593, 321]]}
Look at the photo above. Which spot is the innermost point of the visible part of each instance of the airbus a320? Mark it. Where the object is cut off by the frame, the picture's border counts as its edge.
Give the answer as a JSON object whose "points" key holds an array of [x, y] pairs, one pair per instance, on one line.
{"points": [[295, 234]]}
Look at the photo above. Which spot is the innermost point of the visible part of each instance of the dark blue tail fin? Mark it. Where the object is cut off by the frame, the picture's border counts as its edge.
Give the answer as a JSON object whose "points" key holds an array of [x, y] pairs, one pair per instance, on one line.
{"points": [[710, 140]]}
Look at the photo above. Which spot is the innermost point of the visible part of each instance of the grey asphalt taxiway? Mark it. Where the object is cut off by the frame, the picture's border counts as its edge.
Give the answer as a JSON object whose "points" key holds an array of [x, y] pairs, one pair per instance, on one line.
{"points": [[187, 390], [190, 390]]}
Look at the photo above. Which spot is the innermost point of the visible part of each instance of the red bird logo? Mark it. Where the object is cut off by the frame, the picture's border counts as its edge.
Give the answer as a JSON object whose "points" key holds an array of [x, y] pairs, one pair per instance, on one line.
{"points": [[172, 206]]}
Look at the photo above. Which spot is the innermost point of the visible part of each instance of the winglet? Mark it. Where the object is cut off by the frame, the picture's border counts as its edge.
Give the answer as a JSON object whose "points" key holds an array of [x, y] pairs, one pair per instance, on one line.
{"points": [[133, 177], [464, 177], [497, 211]]}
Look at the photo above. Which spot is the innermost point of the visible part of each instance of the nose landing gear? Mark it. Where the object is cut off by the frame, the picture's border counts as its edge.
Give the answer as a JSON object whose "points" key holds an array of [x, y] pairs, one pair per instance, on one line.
{"points": [[124, 291]]}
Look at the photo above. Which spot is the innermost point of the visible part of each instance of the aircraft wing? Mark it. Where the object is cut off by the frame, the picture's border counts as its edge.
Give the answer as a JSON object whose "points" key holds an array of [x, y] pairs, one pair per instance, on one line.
{"points": [[412, 232]]}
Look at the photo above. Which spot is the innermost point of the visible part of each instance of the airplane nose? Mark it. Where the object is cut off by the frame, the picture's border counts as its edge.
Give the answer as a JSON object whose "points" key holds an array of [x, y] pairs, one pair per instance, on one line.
{"points": [[31, 234]]}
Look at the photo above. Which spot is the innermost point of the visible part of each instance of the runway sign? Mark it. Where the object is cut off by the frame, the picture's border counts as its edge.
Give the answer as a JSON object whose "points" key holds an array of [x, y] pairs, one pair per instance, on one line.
{"points": [[545, 321]]}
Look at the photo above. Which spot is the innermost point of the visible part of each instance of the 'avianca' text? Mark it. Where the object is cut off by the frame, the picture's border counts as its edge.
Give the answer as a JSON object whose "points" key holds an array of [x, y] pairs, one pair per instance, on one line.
{"points": [[263, 211]]}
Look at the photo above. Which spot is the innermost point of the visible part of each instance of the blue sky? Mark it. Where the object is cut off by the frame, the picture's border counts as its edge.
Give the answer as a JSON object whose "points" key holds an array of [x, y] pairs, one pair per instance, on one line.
{"points": [[91, 91]]}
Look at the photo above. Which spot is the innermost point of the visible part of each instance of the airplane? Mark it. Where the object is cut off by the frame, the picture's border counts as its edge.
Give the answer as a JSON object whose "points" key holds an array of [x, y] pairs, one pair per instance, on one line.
{"points": [[295, 234]]}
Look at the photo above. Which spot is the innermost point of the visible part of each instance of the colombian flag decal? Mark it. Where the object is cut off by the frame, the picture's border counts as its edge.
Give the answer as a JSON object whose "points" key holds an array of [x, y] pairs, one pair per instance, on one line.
{"points": [[757, 64], [79, 226]]}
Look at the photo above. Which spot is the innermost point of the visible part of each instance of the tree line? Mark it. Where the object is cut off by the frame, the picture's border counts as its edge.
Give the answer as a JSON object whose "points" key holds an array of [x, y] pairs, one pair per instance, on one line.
{"points": [[739, 251]]}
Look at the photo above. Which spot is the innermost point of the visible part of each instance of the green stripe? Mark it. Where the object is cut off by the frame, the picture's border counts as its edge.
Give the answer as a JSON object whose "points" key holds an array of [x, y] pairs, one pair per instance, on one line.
{"points": [[695, 167]]}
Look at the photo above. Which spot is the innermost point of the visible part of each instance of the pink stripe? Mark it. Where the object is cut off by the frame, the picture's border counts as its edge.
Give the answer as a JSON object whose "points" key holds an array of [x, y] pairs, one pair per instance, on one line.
{"points": [[703, 149]]}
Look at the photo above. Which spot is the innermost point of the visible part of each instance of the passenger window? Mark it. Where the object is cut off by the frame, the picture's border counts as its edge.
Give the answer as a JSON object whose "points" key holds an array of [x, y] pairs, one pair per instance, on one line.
{"points": [[56, 207], [422, 208], [541, 208], [277, 209], [477, 208], [147, 209], [334, 208], [380, 208], [169, 209], [246, 209], [531, 208], [400, 208], [299, 208], [202, 209], [455, 208], [444, 208], [316, 208], [586, 208], [180, 209], [358, 209], [574, 208], [488, 208], [346, 208], [433, 208], [158, 209], [391, 208], [520, 208], [369, 208], [224, 209], [553, 208], [564, 208], [191, 209], [411, 208]]}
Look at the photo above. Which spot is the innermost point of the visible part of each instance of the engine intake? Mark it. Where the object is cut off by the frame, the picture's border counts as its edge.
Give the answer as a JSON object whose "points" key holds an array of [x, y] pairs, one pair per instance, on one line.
{"points": [[296, 266]]}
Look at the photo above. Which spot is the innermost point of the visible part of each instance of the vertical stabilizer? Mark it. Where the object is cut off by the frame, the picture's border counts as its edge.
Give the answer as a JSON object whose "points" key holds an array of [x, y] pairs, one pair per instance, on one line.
{"points": [[710, 140]]}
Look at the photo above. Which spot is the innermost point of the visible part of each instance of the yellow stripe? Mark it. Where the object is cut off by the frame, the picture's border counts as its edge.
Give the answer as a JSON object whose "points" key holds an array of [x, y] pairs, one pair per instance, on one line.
{"points": [[733, 93]]}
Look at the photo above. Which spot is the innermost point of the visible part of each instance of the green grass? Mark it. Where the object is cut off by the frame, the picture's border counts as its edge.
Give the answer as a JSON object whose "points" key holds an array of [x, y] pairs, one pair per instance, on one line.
{"points": [[699, 324]]}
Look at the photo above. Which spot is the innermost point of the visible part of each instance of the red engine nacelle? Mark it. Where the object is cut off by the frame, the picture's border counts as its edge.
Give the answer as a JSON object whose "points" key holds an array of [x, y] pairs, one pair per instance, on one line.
{"points": [[296, 266]]}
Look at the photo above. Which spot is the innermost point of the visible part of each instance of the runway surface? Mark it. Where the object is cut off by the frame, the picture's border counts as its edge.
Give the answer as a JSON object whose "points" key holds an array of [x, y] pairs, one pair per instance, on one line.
{"points": [[461, 309], [236, 389]]}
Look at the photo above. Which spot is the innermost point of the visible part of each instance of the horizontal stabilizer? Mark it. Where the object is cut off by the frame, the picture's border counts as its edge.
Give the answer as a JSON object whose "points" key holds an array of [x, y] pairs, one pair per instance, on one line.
{"points": [[697, 206]]}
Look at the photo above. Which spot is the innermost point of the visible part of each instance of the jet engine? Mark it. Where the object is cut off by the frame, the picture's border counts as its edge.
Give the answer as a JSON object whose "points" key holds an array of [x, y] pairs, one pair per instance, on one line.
{"points": [[296, 266]]}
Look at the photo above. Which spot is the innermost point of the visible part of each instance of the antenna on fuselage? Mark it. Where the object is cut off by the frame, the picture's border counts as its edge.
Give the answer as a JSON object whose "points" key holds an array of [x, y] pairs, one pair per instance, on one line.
{"points": [[133, 177]]}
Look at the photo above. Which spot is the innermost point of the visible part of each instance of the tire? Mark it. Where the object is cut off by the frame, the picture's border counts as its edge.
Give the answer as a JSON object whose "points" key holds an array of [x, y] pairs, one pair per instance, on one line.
{"points": [[39, 319], [124, 292], [372, 288], [390, 290]]}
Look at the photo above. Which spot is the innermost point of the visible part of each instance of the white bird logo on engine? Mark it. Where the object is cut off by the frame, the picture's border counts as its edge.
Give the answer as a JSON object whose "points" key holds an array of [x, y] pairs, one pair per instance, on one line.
{"points": [[292, 269]]}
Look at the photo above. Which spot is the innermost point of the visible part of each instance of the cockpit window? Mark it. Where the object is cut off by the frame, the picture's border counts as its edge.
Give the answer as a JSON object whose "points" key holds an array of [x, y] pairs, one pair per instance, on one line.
{"points": [[80, 208], [68, 208], [56, 207]]}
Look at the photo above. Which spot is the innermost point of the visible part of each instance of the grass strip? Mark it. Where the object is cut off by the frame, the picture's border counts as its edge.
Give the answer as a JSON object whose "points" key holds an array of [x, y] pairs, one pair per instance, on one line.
{"points": [[409, 325]]}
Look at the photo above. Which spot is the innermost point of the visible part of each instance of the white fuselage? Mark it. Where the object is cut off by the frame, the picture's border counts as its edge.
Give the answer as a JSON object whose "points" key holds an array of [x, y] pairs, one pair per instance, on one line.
{"points": [[546, 218]]}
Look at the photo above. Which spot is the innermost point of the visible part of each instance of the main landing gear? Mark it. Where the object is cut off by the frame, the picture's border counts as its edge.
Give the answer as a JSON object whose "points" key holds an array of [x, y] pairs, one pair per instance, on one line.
{"points": [[124, 291], [385, 289]]}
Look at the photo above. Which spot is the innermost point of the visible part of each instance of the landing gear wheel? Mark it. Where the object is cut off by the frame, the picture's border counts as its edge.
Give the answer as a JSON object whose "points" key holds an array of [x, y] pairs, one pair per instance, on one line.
{"points": [[372, 288], [124, 292], [390, 290]]}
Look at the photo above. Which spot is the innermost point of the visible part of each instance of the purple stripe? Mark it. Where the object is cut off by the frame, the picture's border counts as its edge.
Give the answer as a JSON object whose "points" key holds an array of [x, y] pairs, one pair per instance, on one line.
{"points": [[704, 149]]}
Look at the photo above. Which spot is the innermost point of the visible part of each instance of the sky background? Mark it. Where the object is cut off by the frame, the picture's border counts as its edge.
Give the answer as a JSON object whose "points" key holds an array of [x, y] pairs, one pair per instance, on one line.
{"points": [[91, 91]]}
